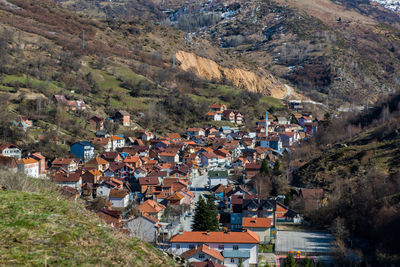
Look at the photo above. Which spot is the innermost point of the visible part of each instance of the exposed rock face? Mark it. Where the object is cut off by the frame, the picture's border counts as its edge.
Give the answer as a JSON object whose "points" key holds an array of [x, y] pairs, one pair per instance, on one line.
{"points": [[210, 70]]}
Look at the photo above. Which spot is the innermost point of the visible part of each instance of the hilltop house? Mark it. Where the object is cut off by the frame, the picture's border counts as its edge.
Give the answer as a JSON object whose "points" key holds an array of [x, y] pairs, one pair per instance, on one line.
{"points": [[10, 150], [29, 166], [232, 245], [123, 117], [96, 123]]}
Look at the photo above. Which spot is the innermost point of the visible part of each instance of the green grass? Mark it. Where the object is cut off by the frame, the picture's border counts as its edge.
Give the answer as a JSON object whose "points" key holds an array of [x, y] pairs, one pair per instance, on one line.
{"points": [[272, 102], [11, 79], [39, 228]]}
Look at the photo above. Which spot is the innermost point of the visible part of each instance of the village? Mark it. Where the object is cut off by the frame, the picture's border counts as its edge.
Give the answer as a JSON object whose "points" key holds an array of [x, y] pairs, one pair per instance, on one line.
{"points": [[148, 185]]}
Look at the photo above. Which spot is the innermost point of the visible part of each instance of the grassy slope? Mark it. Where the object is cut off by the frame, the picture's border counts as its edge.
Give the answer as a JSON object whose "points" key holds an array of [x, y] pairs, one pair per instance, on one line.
{"points": [[43, 228]]}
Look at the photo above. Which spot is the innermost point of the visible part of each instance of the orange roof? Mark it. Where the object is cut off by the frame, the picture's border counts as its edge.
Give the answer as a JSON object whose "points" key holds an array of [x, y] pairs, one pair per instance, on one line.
{"points": [[150, 206], [256, 222], [167, 154], [95, 172], [116, 137], [132, 159], [246, 237], [98, 161], [206, 250], [27, 161], [174, 136], [211, 113]]}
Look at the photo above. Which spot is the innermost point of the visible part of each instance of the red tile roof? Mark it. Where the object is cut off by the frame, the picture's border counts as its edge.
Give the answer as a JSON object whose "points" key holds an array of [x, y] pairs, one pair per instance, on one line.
{"points": [[204, 249], [248, 222], [153, 180], [247, 237], [150, 206]]}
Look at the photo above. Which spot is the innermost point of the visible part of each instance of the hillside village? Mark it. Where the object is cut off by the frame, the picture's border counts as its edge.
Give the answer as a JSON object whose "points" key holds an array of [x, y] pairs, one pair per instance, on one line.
{"points": [[150, 184]]}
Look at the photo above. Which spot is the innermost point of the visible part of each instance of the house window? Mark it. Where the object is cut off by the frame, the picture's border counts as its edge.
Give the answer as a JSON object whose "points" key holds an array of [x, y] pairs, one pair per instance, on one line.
{"points": [[201, 256], [235, 247], [177, 246], [191, 246], [221, 247], [232, 260]]}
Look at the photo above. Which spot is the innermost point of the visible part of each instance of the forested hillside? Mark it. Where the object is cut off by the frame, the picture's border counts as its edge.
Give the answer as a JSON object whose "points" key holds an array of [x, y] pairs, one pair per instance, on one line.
{"points": [[357, 164]]}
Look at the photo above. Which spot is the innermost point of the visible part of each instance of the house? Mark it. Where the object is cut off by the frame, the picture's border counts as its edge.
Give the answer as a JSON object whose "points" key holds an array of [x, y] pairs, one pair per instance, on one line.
{"points": [[148, 183], [195, 132], [225, 129], [42, 161], [147, 136], [206, 263], [73, 180], [83, 150], [98, 164], [91, 176], [254, 206], [303, 120], [209, 160], [134, 161], [217, 107], [68, 164], [283, 121], [287, 138], [117, 142], [111, 156], [23, 122], [120, 170], [203, 252], [29, 166], [119, 198], [10, 150], [260, 226], [152, 208], [229, 115], [145, 227], [103, 142], [234, 246], [104, 189], [9, 163], [217, 177], [96, 123], [174, 136], [214, 116], [76, 105], [252, 169], [170, 156], [123, 117], [238, 118]]}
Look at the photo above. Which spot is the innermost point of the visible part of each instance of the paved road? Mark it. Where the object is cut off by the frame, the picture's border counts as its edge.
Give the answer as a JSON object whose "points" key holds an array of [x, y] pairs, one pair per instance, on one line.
{"points": [[198, 188], [317, 242]]}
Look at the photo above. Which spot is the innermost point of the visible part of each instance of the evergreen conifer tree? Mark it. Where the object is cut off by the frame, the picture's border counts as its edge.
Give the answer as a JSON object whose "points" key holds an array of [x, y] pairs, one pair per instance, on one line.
{"points": [[264, 167], [212, 215], [200, 215], [290, 261]]}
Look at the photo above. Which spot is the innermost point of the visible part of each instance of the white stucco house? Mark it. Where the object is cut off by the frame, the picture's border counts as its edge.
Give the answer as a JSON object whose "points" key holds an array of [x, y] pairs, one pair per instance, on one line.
{"points": [[234, 246]]}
